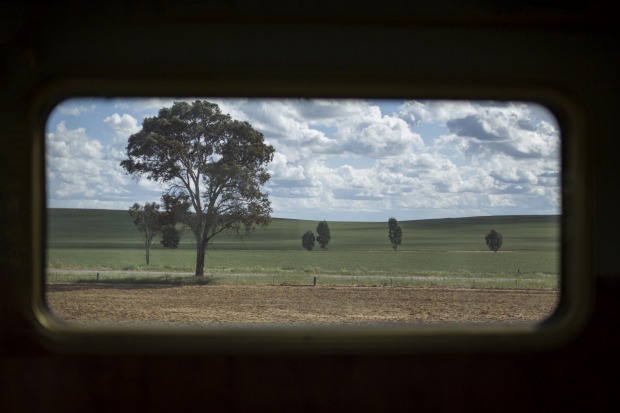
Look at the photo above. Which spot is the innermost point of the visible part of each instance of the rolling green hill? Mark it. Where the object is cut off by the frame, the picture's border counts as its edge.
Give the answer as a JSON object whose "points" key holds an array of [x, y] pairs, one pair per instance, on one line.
{"points": [[95, 228]]}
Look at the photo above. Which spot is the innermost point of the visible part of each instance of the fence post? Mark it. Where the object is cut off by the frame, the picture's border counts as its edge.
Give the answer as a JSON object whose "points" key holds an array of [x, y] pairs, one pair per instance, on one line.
{"points": [[314, 281], [97, 277]]}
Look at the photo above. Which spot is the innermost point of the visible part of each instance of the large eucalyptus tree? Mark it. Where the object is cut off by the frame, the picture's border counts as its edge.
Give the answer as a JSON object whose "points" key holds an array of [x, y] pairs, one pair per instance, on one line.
{"points": [[214, 168]]}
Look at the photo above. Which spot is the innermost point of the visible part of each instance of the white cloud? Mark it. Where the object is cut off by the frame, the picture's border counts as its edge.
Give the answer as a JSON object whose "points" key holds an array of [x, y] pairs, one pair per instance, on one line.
{"points": [[77, 166], [73, 109], [506, 129], [417, 112], [122, 126], [65, 143], [149, 106], [372, 135], [281, 168]]}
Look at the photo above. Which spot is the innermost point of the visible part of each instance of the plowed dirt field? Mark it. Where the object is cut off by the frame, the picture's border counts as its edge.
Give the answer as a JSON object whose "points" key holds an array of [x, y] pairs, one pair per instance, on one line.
{"points": [[95, 304]]}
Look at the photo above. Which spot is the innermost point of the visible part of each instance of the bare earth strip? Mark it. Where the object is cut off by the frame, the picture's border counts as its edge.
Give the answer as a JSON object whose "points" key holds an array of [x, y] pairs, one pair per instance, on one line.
{"points": [[94, 304]]}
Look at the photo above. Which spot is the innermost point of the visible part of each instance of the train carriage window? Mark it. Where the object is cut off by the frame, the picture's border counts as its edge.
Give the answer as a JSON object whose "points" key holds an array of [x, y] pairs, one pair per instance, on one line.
{"points": [[219, 212]]}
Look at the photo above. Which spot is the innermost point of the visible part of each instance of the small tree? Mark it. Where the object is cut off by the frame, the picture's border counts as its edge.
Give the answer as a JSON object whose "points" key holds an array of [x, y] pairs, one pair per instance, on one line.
{"points": [[307, 240], [324, 236], [170, 237], [147, 220], [494, 240], [395, 233]]}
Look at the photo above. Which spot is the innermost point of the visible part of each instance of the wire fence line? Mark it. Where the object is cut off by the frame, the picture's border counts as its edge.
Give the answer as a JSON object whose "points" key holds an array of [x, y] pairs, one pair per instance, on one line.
{"points": [[392, 281], [111, 277]]}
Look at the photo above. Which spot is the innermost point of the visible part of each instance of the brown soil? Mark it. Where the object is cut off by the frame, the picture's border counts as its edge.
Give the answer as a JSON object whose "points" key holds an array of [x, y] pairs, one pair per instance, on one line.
{"points": [[190, 305]]}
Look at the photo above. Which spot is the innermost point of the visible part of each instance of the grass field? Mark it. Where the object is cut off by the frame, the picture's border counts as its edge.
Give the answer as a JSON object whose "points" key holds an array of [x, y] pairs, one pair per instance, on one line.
{"points": [[448, 251]]}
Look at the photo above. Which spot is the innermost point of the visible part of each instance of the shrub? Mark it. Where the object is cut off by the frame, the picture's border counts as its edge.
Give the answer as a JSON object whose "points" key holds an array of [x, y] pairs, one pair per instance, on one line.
{"points": [[307, 240], [170, 237]]}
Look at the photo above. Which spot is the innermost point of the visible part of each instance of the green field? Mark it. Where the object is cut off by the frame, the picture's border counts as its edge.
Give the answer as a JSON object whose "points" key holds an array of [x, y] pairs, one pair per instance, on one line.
{"points": [[81, 239]]}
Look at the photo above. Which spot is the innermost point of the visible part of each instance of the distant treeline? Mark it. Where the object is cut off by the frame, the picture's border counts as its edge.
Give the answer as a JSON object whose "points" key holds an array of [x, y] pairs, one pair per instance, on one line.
{"points": [[97, 228]]}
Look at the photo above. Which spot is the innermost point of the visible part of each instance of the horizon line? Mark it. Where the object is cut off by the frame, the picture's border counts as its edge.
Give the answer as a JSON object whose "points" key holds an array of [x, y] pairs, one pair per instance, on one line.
{"points": [[310, 219]]}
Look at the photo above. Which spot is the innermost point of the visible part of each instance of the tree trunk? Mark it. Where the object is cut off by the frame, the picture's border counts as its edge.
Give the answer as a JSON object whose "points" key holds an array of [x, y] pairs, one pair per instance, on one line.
{"points": [[200, 259], [148, 253]]}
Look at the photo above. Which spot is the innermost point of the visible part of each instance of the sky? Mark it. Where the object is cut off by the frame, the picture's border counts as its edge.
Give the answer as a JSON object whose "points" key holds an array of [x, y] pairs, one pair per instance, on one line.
{"points": [[335, 160]]}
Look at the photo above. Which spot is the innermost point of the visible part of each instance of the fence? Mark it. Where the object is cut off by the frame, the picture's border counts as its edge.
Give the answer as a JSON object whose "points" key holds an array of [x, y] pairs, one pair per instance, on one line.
{"points": [[111, 277]]}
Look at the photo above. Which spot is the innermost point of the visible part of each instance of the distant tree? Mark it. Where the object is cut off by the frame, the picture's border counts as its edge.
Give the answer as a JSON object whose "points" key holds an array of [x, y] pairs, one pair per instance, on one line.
{"points": [[395, 233], [493, 240], [147, 220], [307, 240], [324, 236], [170, 237], [175, 211]]}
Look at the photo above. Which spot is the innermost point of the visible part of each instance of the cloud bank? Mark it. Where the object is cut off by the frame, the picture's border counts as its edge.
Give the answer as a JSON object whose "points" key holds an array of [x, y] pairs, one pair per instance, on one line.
{"points": [[341, 160]]}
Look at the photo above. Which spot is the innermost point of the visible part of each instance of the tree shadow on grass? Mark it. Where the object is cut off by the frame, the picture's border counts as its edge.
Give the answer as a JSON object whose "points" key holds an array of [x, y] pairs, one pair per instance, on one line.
{"points": [[83, 286]]}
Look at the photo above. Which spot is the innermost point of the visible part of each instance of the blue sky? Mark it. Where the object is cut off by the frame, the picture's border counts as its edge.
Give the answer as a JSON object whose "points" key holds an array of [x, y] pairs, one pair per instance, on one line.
{"points": [[354, 160]]}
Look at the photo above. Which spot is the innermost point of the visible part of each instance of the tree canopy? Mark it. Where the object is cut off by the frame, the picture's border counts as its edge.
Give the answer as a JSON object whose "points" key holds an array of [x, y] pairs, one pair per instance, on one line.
{"points": [[494, 240], [170, 237], [324, 236], [213, 166], [395, 232], [307, 240]]}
